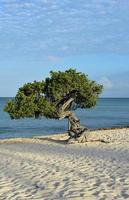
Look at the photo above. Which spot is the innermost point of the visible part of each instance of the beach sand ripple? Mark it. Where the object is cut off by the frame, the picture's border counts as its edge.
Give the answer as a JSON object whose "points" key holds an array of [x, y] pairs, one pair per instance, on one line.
{"points": [[44, 170]]}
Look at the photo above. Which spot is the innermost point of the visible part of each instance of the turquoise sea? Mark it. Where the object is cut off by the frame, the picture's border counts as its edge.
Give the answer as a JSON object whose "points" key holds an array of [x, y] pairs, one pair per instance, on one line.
{"points": [[109, 112]]}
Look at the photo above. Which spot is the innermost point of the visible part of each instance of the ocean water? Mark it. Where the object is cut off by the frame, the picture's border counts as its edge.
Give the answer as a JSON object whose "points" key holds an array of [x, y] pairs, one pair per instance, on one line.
{"points": [[109, 112]]}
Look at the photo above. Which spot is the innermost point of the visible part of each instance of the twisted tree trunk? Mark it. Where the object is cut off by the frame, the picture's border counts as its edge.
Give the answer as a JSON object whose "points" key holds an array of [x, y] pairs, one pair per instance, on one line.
{"points": [[77, 133], [76, 130]]}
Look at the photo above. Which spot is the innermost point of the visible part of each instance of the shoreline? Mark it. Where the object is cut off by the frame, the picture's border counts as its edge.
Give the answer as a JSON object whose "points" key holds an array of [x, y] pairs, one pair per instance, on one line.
{"points": [[111, 128], [92, 133]]}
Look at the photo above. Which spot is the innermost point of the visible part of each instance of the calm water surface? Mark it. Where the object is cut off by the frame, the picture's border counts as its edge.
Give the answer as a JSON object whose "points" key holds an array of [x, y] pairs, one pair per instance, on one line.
{"points": [[109, 112]]}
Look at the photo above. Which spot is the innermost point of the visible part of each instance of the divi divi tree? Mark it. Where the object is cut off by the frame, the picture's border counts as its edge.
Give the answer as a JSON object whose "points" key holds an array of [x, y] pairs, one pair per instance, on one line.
{"points": [[56, 97]]}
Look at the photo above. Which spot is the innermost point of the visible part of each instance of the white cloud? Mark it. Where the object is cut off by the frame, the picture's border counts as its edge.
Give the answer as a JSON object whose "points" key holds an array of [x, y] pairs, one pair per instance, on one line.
{"points": [[67, 27], [53, 58], [106, 82]]}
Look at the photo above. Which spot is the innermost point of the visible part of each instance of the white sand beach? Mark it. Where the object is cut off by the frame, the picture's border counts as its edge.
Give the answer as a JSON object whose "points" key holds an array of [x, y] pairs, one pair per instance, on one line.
{"points": [[47, 168]]}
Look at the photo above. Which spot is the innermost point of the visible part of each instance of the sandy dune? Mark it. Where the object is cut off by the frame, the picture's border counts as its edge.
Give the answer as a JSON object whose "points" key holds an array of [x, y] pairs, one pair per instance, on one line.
{"points": [[49, 169]]}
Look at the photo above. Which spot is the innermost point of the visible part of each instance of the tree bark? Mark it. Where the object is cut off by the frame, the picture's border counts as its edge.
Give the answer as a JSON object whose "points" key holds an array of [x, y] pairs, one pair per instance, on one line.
{"points": [[76, 130], [77, 133]]}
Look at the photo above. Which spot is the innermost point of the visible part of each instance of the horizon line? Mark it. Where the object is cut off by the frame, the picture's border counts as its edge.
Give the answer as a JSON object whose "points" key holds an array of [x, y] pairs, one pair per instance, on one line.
{"points": [[98, 97]]}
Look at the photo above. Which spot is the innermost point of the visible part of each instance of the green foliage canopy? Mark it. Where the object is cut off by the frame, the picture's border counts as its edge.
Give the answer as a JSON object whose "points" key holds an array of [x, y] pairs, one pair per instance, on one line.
{"points": [[39, 99]]}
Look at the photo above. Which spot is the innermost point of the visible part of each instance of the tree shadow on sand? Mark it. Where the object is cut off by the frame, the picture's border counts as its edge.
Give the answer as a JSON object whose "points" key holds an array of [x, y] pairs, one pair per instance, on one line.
{"points": [[59, 141]]}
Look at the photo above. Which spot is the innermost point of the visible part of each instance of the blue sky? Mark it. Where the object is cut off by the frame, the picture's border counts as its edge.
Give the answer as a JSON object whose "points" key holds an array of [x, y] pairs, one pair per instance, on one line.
{"points": [[37, 36]]}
